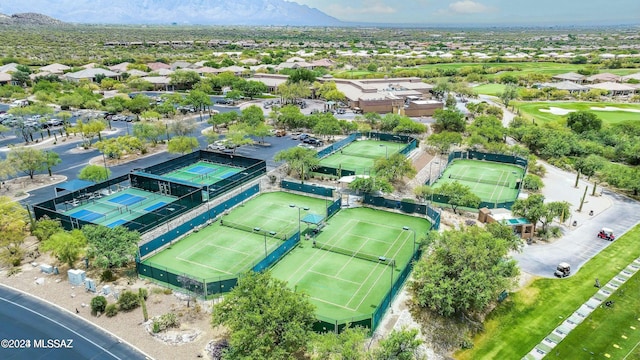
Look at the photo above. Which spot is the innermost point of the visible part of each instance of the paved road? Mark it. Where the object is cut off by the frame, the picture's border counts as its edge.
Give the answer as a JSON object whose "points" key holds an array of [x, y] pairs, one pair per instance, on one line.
{"points": [[23, 317]]}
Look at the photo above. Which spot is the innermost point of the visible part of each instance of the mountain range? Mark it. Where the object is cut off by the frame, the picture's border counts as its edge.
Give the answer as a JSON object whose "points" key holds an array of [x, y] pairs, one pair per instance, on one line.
{"points": [[184, 12]]}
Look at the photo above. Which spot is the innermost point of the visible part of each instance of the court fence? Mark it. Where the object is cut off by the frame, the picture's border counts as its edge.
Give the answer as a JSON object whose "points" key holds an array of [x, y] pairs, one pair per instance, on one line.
{"points": [[369, 321], [408, 207], [307, 188], [478, 155], [188, 197], [411, 142]]}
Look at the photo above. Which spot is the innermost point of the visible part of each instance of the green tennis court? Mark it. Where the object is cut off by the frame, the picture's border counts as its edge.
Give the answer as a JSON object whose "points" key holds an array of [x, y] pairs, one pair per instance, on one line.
{"points": [[214, 251], [203, 173], [493, 182], [345, 286], [273, 212], [359, 156], [237, 242], [118, 208]]}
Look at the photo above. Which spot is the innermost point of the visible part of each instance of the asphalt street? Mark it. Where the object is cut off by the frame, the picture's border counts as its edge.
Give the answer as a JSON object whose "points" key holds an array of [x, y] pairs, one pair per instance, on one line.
{"points": [[33, 329]]}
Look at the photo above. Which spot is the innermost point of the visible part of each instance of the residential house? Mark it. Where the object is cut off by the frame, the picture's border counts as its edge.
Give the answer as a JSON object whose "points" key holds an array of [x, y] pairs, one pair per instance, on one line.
{"points": [[614, 89], [90, 75], [600, 78], [55, 68], [570, 76]]}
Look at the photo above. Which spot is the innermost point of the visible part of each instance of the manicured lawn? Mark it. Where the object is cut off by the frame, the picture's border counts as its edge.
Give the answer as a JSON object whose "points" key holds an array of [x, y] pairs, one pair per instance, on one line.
{"points": [[527, 316], [611, 330], [531, 110], [489, 89]]}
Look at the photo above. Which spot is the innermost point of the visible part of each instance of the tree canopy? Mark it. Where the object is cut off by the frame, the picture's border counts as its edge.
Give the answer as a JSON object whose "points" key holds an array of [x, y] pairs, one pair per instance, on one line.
{"points": [[464, 272], [95, 173], [265, 318], [111, 247], [300, 160], [458, 195]]}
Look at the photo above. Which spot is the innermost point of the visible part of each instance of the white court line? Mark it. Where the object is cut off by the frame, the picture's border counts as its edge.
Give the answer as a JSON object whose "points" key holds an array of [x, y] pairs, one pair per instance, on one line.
{"points": [[332, 276]]}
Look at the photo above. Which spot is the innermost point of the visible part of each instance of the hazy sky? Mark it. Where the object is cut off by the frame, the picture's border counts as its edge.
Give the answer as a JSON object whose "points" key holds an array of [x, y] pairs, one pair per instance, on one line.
{"points": [[482, 11]]}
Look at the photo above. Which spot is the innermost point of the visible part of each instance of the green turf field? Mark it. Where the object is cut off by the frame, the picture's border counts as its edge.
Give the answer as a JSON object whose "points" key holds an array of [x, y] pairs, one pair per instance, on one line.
{"points": [[119, 207], [546, 68], [343, 286], [359, 156], [220, 250], [531, 110], [214, 251], [614, 330], [203, 173], [489, 89], [493, 182]]}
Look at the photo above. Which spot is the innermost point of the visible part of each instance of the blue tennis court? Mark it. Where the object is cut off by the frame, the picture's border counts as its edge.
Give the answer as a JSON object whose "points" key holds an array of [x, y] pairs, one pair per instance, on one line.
{"points": [[155, 206], [127, 199], [199, 169], [86, 215], [116, 223]]}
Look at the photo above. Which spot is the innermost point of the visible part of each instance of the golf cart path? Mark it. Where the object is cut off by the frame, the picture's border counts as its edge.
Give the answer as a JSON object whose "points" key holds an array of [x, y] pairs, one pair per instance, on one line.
{"points": [[579, 243]]}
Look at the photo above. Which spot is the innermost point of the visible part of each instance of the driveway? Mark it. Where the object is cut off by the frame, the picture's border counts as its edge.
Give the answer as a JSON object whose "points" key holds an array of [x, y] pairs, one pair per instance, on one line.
{"points": [[579, 243]]}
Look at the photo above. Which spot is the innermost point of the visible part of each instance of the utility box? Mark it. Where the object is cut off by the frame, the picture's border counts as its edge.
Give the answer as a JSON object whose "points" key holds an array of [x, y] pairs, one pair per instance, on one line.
{"points": [[90, 285], [76, 277], [47, 269], [106, 290]]}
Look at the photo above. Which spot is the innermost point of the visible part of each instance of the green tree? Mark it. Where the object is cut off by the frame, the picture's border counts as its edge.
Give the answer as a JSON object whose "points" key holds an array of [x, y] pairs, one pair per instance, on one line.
{"points": [[532, 183], [588, 166], [557, 209], [199, 100], [510, 93], [111, 247], [184, 79], [152, 132], [399, 345], [261, 130], [371, 185], [532, 208], [89, 130], [98, 305], [266, 319], [184, 127], [51, 159], [302, 75], [27, 160], [238, 135], [348, 344], [253, 88], [393, 168], [95, 173], [423, 192], [300, 160], [13, 226], [252, 115], [7, 170], [45, 227], [582, 121], [444, 140], [66, 246], [182, 145], [290, 117], [139, 104], [449, 120], [464, 272], [458, 195]]}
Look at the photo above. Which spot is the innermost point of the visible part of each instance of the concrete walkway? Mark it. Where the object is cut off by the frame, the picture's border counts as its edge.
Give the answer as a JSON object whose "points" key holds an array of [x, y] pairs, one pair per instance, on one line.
{"points": [[598, 299]]}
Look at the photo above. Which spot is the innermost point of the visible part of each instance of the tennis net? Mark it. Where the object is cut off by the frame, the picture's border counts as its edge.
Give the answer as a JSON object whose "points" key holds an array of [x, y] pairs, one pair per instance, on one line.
{"points": [[356, 254], [505, 183], [284, 235], [358, 154], [109, 208]]}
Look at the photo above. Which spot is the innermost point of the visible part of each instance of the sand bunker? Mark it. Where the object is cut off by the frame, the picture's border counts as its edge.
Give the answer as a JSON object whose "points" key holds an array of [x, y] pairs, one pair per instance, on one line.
{"points": [[556, 111], [612, 108]]}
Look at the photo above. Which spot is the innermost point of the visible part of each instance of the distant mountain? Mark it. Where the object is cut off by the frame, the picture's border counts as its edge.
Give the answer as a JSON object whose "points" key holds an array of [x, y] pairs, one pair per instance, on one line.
{"points": [[183, 12], [28, 19]]}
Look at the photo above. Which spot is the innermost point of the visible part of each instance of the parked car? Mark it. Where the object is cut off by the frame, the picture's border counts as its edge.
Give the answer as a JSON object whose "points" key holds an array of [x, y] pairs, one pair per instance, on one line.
{"points": [[280, 132], [607, 234], [312, 141], [303, 136]]}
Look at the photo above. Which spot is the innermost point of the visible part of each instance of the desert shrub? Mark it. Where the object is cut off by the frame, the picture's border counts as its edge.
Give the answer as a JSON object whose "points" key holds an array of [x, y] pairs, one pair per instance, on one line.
{"points": [[144, 293], [107, 276], [532, 183], [166, 321], [98, 304], [128, 300], [111, 310]]}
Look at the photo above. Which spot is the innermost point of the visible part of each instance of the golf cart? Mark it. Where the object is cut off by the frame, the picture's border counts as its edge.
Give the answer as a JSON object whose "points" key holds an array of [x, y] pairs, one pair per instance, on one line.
{"points": [[563, 270], [606, 234]]}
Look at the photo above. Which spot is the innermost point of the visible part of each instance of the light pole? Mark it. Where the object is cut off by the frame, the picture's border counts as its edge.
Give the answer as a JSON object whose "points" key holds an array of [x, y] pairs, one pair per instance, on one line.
{"points": [[386, 151], [299, 215], [405, 228]]}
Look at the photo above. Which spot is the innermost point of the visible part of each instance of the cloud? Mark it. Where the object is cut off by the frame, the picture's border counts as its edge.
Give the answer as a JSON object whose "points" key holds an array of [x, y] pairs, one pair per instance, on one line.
{"points": [[468, 7], [374, 8]]}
